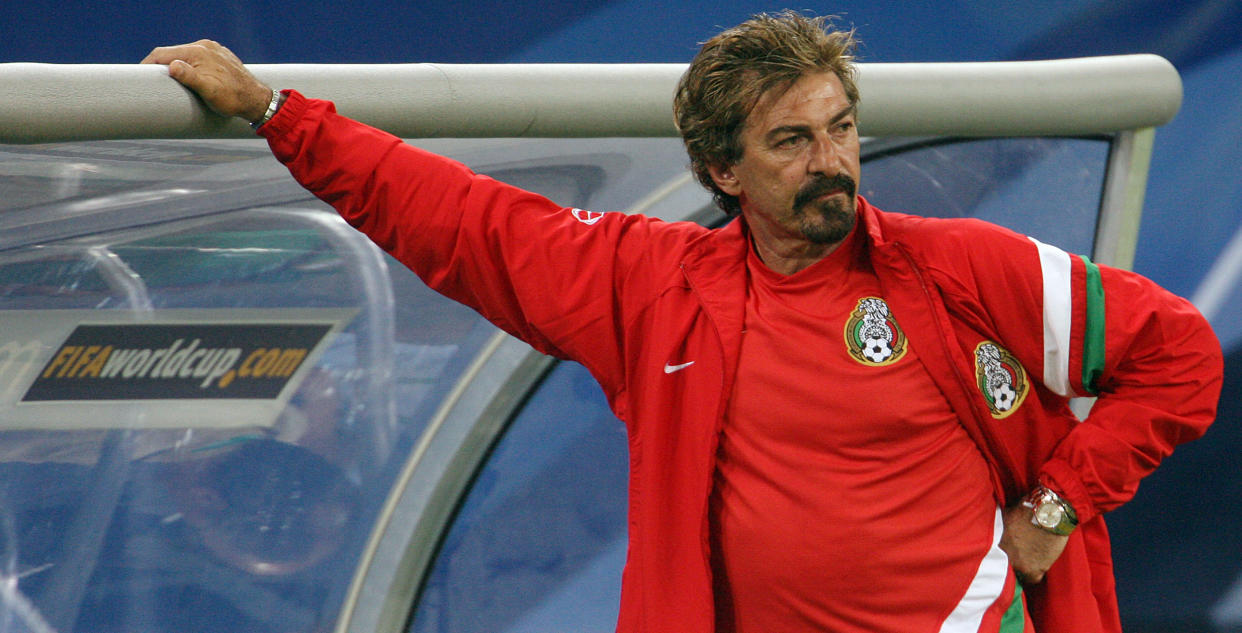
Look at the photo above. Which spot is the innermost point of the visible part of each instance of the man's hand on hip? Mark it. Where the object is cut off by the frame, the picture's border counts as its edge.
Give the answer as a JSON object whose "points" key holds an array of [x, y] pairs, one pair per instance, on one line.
{"points": [[217, 76], [1031, 549]]}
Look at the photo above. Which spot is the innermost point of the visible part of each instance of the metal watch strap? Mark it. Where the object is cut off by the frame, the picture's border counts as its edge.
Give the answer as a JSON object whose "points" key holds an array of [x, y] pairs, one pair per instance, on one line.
{"points": [[1051, 512], [272, 106]]}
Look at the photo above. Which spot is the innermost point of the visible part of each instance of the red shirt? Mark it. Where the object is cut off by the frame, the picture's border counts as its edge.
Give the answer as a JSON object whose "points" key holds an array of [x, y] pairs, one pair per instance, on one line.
{"points": [[847, 495]]}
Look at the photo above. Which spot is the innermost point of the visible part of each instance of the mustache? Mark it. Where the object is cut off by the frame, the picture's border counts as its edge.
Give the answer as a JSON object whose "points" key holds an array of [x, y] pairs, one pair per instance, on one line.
{"points": [[822, 185]]}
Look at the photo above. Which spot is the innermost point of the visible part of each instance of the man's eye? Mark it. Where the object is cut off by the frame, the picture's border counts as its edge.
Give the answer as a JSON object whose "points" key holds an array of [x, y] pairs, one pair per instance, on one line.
{"points": [[789, 142]]}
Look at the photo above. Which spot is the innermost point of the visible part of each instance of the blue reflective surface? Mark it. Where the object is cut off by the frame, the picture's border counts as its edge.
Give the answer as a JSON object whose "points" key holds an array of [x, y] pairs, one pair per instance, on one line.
{"points": [[539, 542]]}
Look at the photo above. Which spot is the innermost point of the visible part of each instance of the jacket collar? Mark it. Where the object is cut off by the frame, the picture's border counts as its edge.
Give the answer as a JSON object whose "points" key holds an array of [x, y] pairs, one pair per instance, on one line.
{"points": [[719, 257], [872, 224], [715, 269]]}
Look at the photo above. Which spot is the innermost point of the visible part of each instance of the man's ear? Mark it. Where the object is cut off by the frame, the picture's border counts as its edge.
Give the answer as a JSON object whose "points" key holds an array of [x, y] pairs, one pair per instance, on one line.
{"points": [[725, 179]]}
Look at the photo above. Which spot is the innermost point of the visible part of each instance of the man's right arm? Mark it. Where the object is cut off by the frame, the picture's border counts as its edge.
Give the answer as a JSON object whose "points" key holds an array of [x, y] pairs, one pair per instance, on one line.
{"points": [[533, 268]]}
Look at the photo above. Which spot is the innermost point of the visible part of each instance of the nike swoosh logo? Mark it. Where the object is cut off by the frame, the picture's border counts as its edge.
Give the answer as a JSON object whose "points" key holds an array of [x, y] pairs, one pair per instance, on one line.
{"points": [[668, 369]]}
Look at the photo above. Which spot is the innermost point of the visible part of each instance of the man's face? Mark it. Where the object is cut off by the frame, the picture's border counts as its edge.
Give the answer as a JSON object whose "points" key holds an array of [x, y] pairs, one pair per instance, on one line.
{"points": [[798, 175]]}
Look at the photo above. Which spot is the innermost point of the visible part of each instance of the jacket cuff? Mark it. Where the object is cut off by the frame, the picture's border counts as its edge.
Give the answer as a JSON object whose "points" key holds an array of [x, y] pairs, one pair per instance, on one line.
{"points": [[1062, 479], [286, 117]]}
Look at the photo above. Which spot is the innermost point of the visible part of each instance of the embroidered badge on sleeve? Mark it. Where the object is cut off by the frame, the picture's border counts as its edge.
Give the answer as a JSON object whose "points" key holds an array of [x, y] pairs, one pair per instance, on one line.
{"points": [[1001, 379], [872, 335]]}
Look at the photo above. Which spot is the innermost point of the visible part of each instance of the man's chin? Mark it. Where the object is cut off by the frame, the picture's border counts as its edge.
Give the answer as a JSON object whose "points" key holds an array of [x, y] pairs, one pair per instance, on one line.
{"points": [[833, 223], [827, 234]]}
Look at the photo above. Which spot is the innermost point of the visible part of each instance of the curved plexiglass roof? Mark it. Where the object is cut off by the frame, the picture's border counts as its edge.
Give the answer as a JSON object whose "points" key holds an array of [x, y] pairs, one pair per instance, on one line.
{"points": [[143, 281]]}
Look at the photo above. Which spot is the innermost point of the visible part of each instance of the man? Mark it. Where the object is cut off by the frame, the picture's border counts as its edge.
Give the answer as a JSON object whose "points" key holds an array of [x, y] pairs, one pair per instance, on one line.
{"points": [[840, 419]]}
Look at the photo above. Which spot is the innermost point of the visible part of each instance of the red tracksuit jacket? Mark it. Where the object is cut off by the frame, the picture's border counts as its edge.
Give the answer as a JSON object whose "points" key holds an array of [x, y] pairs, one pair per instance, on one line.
{"points": [[626, 295]]}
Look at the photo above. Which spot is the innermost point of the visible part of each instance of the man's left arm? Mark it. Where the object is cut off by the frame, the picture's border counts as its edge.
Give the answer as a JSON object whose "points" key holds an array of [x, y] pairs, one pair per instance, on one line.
{"points": [[1156, 368]]}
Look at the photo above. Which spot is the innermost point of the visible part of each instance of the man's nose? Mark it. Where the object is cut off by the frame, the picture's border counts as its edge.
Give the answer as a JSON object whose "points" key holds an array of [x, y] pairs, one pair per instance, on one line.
{"points": [[824, 157]]}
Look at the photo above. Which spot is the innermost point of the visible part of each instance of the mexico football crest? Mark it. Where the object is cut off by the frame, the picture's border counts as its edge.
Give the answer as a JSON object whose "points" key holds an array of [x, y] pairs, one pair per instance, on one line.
{"points": [[1001, 379], [872, 335]]}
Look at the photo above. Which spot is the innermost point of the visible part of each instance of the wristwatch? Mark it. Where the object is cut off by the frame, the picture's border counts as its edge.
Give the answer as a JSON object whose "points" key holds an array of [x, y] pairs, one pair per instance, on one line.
{"points": [[1050, 512], [272, 107]]}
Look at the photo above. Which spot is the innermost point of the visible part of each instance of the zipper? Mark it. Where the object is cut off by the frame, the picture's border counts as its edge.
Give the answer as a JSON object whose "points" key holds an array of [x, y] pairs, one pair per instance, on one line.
{"points": [[963, 384], [705, 534]]}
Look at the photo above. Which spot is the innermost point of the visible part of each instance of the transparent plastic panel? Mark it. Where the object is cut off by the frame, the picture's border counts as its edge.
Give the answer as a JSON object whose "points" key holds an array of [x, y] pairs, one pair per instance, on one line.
{"points": [[91, 175], [1048, 188], [153, 495]]}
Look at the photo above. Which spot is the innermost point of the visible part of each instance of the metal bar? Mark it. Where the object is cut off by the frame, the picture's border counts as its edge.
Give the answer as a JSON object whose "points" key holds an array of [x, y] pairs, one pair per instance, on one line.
{"points": [[52, 102], [1121, 207]]}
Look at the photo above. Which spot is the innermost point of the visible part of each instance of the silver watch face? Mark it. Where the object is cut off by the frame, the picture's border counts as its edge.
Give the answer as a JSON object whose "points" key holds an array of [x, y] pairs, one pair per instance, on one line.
{"points": [[1049, 514]]}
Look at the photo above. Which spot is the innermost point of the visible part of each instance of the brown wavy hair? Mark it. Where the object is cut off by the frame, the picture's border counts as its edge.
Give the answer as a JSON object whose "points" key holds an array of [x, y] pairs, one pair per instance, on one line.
{"points": [[734, 69]]}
